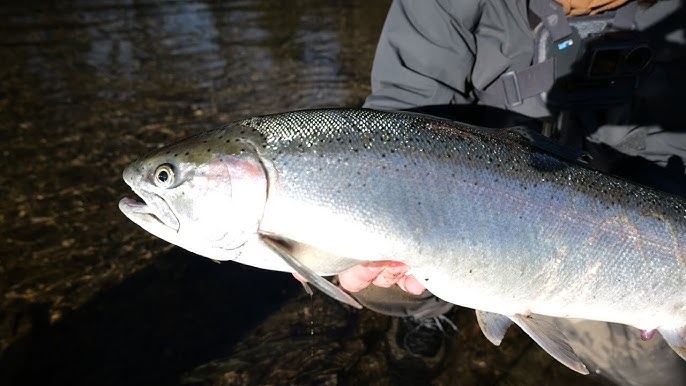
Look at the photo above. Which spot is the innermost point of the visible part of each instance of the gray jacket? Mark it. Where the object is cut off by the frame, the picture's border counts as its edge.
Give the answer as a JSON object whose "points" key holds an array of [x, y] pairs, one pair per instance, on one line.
{"points": [[449, 51]]}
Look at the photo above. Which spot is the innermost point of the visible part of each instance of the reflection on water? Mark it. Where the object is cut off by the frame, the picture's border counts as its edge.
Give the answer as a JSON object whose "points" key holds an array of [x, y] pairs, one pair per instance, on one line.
{"points": [[87, 87], [223, 52]]}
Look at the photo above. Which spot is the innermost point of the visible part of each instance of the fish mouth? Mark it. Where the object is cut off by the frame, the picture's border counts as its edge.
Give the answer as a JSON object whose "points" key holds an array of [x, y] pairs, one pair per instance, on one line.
{"points": [[156, 215]]}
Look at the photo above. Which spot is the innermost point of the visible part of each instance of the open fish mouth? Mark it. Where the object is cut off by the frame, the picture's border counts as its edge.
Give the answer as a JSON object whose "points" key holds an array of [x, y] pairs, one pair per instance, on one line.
{"points": [[155, 216]]}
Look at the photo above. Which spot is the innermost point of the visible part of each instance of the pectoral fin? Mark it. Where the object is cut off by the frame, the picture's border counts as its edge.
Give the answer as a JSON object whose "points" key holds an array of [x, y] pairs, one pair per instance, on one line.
{"points": [[494, 326], [324, 285], [676, 339], [552, 340]]}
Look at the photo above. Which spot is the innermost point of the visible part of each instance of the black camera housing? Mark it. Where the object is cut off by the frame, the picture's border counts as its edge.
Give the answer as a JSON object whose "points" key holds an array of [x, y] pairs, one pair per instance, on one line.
{"points": [[604, 71], [613, 56]]}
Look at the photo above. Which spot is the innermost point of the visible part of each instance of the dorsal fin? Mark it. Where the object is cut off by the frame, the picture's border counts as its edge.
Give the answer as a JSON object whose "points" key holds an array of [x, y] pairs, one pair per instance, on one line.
{"points": [[533, 138]]}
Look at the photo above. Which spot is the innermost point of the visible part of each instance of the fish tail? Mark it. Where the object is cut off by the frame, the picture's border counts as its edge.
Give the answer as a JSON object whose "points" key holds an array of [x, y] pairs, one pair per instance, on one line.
{"points": [[676, 339]]}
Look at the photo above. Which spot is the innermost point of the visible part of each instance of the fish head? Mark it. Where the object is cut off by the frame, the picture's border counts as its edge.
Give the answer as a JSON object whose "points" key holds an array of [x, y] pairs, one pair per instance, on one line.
{"points": [[205, 194]]}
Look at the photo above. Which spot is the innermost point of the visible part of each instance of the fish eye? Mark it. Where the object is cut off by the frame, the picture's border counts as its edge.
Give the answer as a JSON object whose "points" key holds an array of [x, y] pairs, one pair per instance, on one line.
{"points": [[164, 176]]}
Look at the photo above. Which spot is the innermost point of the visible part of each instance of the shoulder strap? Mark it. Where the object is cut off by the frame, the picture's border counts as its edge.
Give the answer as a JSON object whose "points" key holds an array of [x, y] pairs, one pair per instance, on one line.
{"points": [[513, 87], [625, 16]]}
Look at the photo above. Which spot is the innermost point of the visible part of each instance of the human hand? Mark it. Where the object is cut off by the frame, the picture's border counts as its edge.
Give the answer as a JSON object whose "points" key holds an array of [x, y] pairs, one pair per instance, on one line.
{"points": [[382, 274]]}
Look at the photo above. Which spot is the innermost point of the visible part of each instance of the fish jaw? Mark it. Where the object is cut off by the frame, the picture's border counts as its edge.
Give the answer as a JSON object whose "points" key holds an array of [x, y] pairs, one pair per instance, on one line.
{"points": [[152, 214], [147, 218]]}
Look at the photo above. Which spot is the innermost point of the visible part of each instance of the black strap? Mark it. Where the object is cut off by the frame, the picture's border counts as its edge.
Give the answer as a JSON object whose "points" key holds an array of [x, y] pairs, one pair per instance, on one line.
{"points": [[512, 87]]}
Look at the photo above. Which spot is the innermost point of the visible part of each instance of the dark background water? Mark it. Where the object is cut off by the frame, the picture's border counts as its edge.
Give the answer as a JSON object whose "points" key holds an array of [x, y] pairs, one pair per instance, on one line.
{"points": [[89, 298]]}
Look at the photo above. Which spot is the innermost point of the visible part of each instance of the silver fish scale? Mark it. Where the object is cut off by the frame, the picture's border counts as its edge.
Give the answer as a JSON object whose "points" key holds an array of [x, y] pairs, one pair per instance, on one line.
{"points": [[349, 131], [488, 220]]}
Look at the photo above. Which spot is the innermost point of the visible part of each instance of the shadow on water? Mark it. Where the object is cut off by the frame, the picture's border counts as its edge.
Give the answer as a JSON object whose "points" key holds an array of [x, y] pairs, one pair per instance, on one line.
{"points": [[178, 313]]}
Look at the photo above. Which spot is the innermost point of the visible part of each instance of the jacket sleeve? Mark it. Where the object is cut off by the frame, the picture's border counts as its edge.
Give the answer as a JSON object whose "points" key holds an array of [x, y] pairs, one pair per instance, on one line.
{"points": [[424, 55], [437, 52]]}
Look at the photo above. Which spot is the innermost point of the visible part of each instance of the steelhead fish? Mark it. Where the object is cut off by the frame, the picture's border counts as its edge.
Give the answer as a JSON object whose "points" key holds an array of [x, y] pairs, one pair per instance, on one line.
{"points": [[494, 220]]}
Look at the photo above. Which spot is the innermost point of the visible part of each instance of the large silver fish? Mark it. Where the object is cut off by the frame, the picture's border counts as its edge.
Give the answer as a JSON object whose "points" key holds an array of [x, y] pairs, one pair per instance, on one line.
{"points": [[488, 219]]}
